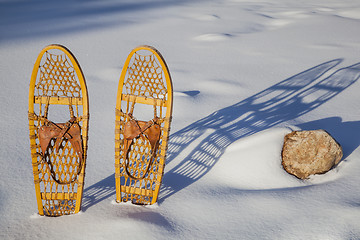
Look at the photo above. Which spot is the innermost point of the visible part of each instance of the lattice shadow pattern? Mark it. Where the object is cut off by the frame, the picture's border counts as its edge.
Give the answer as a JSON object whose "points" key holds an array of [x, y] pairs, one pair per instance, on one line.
{"points": [[282, 102]]}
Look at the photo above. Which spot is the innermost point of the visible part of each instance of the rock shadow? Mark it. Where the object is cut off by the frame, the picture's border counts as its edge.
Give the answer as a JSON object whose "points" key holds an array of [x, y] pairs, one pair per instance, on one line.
{"points": [[345, 133]]}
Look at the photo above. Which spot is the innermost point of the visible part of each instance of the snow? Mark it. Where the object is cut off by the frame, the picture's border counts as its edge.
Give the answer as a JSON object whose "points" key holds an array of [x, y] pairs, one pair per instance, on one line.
{"points": [[245, 73]]}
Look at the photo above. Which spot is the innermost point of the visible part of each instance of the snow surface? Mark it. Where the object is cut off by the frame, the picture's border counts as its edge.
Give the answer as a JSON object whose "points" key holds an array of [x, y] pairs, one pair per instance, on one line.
{"points": [[245, 73]]}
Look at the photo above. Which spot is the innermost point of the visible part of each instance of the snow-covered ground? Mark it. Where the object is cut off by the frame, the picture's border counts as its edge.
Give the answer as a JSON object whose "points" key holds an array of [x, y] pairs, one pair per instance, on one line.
{"points": [[244, 72]]}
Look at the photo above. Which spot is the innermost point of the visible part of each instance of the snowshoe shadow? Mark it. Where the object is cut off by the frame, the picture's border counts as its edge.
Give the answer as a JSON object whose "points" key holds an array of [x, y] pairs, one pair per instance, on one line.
{"points": [[195, 149], [98, 192]]}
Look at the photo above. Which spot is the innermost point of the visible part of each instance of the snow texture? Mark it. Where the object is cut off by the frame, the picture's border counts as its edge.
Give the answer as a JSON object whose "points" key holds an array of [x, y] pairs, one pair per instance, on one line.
{"points": [[245, 73]]}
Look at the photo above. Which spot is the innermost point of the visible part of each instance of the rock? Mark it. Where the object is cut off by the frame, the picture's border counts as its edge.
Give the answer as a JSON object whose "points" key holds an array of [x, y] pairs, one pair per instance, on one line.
{"points": [[310, 152]]}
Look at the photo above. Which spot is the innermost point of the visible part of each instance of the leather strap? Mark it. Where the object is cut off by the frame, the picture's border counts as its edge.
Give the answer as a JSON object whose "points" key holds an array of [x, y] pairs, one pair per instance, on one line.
{"points": [[69, 130], [132, 130]]}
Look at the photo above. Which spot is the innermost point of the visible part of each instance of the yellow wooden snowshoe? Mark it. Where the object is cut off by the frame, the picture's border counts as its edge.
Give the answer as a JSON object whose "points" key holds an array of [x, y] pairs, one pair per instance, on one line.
{"points": [[58, 124], [144, 92]]}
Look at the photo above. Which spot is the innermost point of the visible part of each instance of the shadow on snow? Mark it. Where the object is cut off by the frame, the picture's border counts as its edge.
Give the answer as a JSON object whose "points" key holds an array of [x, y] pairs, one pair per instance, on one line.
{"points": [[23, 19]]}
